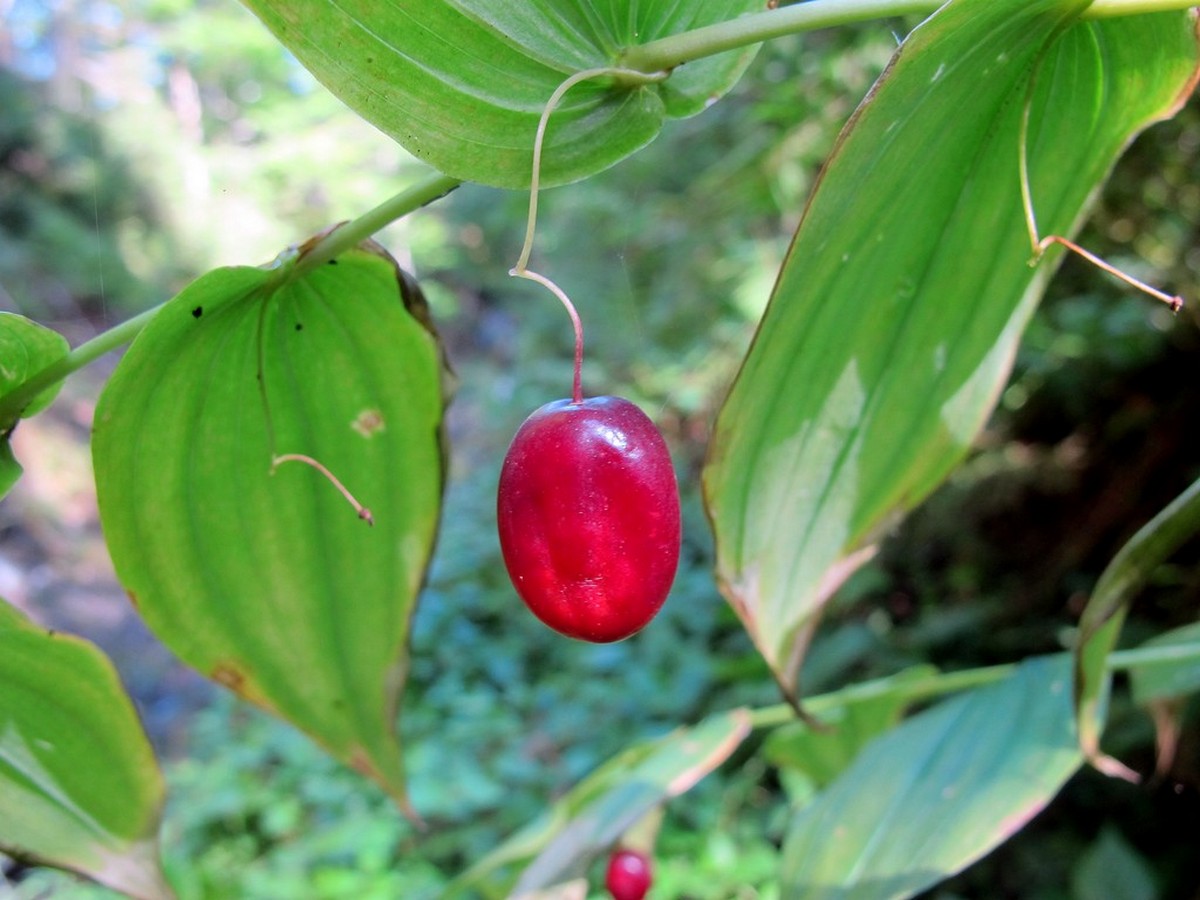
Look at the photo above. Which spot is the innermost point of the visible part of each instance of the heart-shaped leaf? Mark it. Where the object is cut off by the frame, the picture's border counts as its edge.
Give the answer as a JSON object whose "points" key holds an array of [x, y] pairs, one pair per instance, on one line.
{"points": [[262, 577], [79, 785], [894, 322], [461, 84], [938, 792]]}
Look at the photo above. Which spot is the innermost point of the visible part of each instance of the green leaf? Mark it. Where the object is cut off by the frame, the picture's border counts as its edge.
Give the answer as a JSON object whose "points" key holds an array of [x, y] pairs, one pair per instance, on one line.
{"points": [[822, 755], [79, 785], [1102, 618], [263, 578], [1169, 666], [895, 318], [10, 469], [1113, 870], [928, 798], [461, 84], [591, 817], [26, 348]]}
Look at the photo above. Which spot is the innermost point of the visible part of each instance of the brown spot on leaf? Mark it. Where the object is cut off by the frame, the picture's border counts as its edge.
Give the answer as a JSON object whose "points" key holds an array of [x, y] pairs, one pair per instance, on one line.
{"points": [[197, 312], [368, 423], [228, 675]]}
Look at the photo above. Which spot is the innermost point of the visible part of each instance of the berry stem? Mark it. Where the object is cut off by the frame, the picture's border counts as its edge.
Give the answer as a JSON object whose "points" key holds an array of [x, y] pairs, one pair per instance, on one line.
{"points": [[577, 384], [521, 269]]}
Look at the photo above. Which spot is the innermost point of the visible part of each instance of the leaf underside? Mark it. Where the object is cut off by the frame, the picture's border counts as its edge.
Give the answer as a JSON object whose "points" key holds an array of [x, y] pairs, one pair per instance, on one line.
{"points": [[263, 578], [461, 84]]}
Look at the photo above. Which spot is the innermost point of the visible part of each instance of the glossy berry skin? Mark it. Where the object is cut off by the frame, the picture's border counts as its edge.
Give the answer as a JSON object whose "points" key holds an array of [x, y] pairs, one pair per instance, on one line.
{"points": [[588, 512], [629, 875]]}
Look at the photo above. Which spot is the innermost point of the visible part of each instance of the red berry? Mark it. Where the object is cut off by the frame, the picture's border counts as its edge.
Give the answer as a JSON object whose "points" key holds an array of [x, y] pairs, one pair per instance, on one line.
{"points": [[629, 875], [588, 512]]}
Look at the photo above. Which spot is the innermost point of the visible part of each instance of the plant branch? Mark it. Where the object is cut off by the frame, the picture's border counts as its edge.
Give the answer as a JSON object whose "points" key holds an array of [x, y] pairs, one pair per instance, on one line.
{"points": [[668, 52], [953, 682], [329, 246], [349, 234], [20, 397]]}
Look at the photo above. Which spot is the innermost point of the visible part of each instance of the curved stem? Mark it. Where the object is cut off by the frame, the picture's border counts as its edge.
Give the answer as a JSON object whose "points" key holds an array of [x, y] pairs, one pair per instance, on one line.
{"points": [[362, 511], [1040, 244], [521, 270], [577, 383]]}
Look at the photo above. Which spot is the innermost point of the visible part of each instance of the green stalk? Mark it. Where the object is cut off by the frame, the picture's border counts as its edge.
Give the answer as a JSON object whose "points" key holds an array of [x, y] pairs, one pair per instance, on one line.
{"points": [[927, 688], [953, 682], [12, 403], [329, 246], [350, 234], [668, 52]]}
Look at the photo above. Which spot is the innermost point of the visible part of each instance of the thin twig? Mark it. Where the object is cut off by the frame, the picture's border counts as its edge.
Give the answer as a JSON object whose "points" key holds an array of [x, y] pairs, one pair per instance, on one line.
{"points": [[1172, 300], [1040, 244]]}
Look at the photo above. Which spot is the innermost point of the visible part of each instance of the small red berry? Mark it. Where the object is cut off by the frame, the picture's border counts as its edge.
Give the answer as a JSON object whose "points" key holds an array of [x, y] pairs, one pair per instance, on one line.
{"points": [[629, 875], [588, 513]]}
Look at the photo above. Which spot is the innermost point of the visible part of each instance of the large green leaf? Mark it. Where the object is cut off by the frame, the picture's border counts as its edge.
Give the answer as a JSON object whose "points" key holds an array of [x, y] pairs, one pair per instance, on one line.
{"points": [[938, 792], [26, 348], [461, 84], [79, 786], [894, 321], [266, 581]]}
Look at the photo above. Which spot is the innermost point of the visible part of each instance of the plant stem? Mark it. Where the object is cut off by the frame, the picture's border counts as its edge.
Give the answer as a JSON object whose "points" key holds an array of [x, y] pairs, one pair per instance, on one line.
{"points": [[934, 686], [668, 52], [521, 269], [20, 397], [953, 682], [349, 234], [335, 242]]}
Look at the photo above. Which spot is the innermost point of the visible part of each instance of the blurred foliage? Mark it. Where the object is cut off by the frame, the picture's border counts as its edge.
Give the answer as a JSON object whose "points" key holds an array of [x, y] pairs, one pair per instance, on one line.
{"points": [[670, 257], [57, 180]]}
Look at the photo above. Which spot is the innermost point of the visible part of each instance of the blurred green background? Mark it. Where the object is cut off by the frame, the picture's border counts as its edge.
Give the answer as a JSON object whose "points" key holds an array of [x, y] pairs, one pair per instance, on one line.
{"points": [[146, 141]]}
